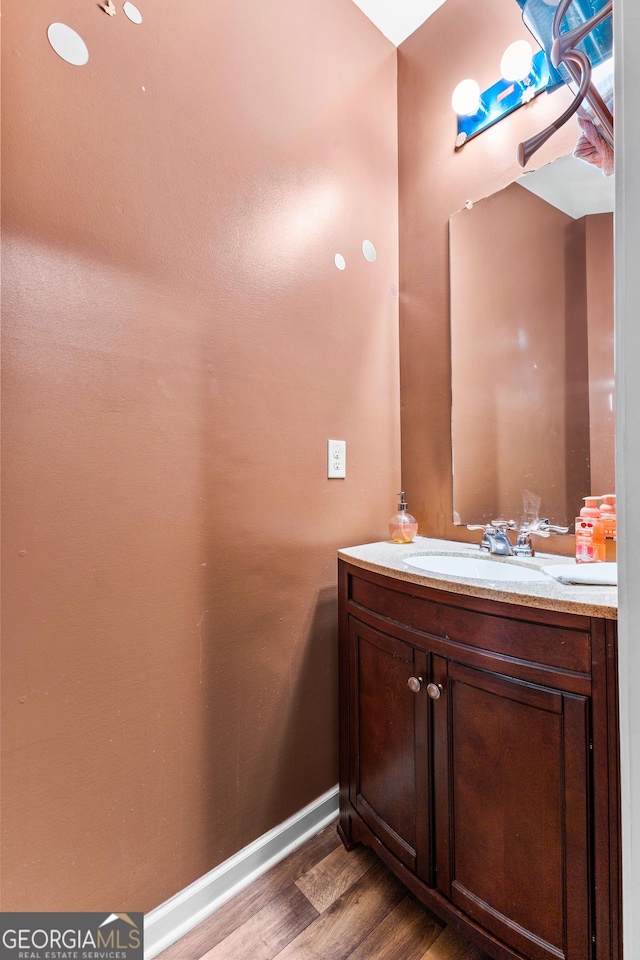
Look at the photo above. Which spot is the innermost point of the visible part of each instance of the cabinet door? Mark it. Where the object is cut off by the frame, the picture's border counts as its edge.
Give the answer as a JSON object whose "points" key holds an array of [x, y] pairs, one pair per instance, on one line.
{"points": [[512, 789], [388, 776]]}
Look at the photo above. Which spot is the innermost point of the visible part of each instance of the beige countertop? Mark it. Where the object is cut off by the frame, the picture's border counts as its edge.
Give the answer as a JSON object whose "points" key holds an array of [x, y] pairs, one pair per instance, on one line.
{"points": [[388, 558]]}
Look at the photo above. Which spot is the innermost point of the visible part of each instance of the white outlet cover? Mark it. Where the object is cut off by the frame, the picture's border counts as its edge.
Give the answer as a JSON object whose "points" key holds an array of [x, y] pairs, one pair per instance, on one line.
{"points": [[336, 459]]}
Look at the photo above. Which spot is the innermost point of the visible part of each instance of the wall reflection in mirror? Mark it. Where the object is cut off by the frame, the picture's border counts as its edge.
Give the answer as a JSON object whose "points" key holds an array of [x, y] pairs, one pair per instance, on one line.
{"points": [[533, 422]]}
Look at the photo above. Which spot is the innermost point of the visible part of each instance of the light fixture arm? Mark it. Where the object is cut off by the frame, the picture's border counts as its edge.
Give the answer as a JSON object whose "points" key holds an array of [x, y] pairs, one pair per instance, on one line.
{"points": [[596, 103], [529, 147], [565, 43], [564, 50]]}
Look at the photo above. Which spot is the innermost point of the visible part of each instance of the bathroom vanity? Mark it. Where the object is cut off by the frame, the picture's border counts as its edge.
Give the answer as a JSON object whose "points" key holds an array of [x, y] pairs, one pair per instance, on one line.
{"points": [[479, 749]]}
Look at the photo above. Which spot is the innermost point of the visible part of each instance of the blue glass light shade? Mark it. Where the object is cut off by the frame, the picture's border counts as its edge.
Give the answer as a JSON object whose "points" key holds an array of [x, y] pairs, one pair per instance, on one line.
{"points": [[503, 98]]}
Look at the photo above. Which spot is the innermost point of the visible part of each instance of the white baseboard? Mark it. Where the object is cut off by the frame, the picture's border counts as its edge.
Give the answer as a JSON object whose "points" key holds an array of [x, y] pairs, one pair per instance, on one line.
{"points": [[172, 919]]}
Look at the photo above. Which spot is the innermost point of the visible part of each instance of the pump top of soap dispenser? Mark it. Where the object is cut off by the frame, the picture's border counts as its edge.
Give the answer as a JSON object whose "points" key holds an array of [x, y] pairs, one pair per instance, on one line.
{"points": [[403, 505], [590, 508], [609, 504]]}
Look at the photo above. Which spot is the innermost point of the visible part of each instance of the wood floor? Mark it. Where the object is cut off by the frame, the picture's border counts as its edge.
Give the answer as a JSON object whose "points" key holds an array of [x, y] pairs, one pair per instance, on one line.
{"points": [[322, 903]]}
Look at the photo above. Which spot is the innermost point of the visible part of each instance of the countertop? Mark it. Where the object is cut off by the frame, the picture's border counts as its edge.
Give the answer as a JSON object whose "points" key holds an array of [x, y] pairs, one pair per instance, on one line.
{"points": [[387, 558]]}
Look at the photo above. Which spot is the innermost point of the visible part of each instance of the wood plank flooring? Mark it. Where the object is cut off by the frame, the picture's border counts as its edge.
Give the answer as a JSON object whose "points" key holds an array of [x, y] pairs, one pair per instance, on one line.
{"points": [[322, 903]]}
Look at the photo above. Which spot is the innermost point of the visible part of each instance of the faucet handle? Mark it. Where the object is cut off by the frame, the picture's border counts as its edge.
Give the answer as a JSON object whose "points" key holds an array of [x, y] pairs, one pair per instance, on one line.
{"points": [[542, 528], [494, 525], [504, 524]]}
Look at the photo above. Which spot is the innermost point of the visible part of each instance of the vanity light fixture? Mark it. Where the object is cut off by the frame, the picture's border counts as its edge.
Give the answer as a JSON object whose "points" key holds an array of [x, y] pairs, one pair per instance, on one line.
{"points": [[524, 76]]}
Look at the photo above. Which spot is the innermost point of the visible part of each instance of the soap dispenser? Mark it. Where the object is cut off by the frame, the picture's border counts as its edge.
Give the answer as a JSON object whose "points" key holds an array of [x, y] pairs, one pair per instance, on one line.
{"points": [[402, 526], [608, 514], [589, 533]]}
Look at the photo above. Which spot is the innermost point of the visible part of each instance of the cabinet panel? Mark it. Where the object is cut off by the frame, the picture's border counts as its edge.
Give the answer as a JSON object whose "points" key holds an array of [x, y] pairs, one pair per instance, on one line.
{"points": [[385, 766], [512, 784], [563, 647]]}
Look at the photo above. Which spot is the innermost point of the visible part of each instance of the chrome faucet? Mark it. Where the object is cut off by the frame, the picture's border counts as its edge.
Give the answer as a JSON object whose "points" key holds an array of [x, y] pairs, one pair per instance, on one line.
{"points": [[540, 528], [494, 536]]}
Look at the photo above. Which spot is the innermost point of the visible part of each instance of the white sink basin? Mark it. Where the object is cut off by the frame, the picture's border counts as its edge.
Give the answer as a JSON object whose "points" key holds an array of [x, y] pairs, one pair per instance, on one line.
{"points": [[476, 568]]}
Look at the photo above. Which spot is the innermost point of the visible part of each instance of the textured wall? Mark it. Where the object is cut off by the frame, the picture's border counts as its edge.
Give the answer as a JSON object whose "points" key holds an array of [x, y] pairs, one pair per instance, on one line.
{"points": [[463, 38], [178, 347]]}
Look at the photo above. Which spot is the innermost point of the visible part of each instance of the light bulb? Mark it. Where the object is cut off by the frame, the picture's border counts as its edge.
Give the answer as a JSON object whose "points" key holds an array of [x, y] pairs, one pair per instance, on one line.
{"points": [[465, 99], [516, 61]]}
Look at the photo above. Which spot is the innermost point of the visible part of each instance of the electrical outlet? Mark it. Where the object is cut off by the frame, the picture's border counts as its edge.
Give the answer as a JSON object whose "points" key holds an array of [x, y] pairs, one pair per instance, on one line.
{"points": [[336, 459]]}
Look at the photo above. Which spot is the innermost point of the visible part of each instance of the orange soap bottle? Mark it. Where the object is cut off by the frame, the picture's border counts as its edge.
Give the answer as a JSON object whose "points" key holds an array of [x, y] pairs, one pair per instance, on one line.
{"points": [[589, 533], [608, 514], [402, 526]]}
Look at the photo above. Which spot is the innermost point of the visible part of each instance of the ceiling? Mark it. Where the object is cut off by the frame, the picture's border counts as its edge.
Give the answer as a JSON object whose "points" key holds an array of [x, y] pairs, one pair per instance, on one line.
{"points": [[573, 186], [397, 19]]}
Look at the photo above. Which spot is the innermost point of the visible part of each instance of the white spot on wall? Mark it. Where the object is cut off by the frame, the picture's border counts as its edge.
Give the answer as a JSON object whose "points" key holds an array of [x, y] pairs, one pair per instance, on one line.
{"points": [[68, 44], [368, 251], [339, 261], [132, 12]]}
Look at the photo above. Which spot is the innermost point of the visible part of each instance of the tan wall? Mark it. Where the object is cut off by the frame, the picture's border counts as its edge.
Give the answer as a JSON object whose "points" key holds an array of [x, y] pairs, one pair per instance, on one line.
{"points": [[178, 348], [577, 452], [599, 251], [463, 38]]}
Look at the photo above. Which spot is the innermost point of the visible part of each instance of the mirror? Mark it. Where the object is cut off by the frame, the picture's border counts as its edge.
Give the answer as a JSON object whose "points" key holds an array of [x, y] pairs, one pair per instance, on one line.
{"points": [[531, 274]]}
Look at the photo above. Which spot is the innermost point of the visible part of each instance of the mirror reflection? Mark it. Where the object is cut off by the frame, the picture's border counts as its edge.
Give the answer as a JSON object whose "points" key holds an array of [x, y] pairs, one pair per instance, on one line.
{"points": [[531, 273]]}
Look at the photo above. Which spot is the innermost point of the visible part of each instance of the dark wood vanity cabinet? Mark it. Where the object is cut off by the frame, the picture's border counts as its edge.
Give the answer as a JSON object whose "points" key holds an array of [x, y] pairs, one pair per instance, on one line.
{"points": [[479, 758]]}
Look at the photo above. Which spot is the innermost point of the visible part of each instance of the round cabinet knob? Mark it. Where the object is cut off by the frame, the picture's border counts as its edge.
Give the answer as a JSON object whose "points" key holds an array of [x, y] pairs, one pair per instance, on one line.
{"points": [[414, 684], [434, 690]]}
